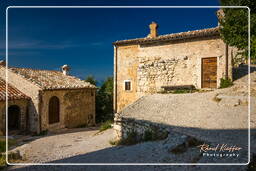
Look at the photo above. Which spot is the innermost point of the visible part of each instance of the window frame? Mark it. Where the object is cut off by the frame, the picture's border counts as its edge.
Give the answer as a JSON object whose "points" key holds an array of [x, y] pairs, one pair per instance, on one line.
{"points": [[125, 81]]}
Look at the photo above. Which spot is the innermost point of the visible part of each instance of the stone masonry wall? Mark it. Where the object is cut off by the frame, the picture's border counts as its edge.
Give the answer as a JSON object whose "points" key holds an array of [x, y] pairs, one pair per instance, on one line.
{"points": [[154, 73], [77, 108]]}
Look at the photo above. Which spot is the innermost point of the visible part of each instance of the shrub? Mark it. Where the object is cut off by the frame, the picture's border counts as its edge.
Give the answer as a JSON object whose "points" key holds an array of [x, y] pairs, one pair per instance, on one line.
{"points": [[3, 144], [42, 133], [2, 161], [154, 135], [131, 139], [224, 83], [106, 125]]}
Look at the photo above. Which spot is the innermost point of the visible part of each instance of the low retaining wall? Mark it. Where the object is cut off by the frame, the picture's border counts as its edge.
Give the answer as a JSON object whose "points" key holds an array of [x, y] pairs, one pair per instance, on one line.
{"points": [[124, 126]]}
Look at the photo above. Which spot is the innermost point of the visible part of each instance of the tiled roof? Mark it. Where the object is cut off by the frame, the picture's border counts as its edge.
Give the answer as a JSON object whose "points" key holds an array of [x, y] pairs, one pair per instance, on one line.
{"points": [[49, 79], [175, 36], [13, 93]]}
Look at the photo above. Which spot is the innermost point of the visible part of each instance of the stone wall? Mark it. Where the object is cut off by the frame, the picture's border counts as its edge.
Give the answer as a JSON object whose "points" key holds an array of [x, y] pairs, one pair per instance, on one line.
{"points": [[124, 126], [30, 90], [23, 105], [157, 72], [151, 66], [77, 108]]}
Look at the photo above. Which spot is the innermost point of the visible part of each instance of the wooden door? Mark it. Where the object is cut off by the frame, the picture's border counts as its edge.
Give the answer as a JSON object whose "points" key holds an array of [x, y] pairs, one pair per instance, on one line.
{"points": [[54, 110], [209, 72]]}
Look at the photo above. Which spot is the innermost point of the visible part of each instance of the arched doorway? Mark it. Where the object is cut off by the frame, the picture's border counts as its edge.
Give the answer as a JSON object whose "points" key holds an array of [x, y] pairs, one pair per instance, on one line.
{"points": [[13, 117], [54, 110]]}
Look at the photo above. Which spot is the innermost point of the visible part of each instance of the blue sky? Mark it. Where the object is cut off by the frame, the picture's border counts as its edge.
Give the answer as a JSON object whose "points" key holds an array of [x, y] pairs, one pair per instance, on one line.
{"points": [[82, 38]]}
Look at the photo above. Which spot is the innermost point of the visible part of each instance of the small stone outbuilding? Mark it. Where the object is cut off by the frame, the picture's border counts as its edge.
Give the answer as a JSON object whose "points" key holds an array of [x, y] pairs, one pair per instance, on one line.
{"points": [[143, 66], [17, 108], [56, 99]]}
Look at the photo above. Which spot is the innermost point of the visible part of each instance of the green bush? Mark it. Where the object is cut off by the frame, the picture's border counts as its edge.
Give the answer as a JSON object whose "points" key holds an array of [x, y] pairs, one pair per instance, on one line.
{"points": [[2, 161], [224, 83], [2, 146], [131, 139], [106, 125], [154, 135], [42, 133]]}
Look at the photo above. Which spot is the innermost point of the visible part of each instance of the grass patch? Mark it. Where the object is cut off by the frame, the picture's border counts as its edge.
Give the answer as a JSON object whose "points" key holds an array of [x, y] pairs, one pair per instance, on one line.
{"points": [[3, 163], [224, 83], [106, 125], [11, 142], [3, 144]]}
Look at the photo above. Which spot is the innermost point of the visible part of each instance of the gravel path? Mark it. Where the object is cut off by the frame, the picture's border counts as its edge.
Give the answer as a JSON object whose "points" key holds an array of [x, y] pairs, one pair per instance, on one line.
{"points": [[151, 152], [63, 145]]}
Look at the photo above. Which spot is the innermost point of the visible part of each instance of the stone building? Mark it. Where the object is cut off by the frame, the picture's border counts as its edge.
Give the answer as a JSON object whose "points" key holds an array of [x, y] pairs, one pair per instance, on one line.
{"points": [[17, 107], [46, 99], [143, 66]]}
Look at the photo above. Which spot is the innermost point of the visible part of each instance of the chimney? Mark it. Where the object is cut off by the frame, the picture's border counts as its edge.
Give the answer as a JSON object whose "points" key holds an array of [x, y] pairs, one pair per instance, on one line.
{"points": [[2, 63], [65, 69], [220, 15], [153, 30]]}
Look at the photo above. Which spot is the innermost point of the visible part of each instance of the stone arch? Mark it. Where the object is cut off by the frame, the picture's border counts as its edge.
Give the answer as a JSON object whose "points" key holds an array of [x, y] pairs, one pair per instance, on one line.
{"points": [[54, 110], [14, 117]]}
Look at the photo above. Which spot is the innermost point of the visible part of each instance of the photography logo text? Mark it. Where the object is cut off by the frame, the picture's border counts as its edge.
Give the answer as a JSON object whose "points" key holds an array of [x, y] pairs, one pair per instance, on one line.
{"points": [[220, 150]]}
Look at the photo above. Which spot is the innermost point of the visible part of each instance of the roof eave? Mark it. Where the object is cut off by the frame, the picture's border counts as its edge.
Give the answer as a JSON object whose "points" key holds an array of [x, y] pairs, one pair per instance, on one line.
{"points": [[148, 41]]}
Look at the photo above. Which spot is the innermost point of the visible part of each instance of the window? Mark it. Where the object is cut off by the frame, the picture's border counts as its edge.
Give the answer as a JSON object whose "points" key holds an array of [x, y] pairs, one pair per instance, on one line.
{"points": [[127, 85], [54, 110]]}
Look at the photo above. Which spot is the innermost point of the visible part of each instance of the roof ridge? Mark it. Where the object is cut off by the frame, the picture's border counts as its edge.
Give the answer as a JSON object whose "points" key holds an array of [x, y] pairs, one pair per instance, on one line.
{"points": [[33, 69], [190, 31], [50, 79], [164, 36]]}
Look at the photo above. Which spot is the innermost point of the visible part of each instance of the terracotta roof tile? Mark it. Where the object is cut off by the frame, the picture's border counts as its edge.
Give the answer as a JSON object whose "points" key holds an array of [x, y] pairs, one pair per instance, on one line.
{"points": [[175, 36], [13, 93], [49, 79]]}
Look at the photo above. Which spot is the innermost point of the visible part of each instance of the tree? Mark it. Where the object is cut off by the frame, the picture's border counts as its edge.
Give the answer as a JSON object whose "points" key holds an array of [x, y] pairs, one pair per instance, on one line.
{"points": [[104, 101], [234, 26], [91, 80]]}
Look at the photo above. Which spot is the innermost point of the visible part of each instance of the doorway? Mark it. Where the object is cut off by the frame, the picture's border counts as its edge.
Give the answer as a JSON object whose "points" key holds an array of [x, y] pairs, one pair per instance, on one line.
{"points": [[209, 72]]}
